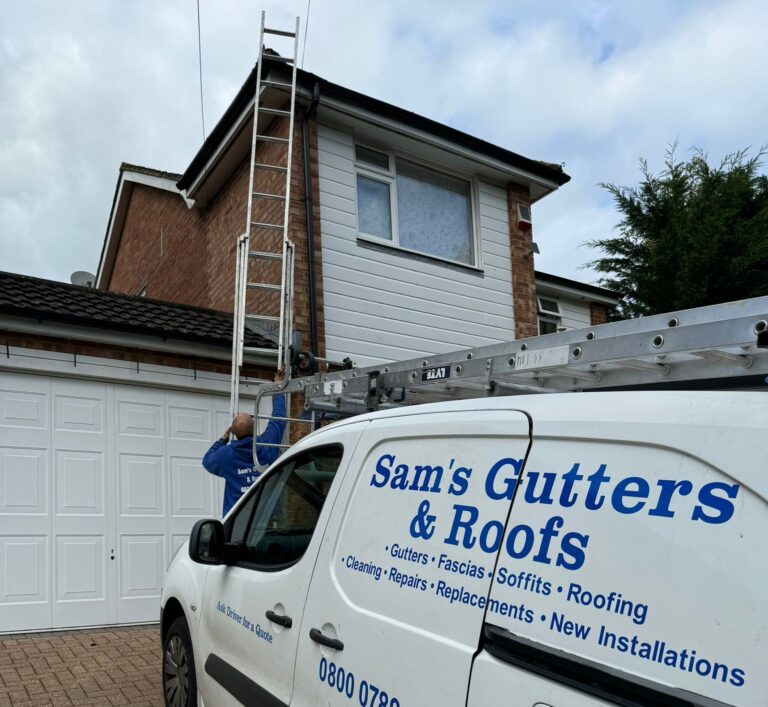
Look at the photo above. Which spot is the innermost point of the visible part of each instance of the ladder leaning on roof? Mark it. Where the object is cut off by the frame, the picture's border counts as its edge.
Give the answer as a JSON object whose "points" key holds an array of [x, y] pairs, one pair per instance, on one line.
{"points": [[254, 244], [725, 345]]}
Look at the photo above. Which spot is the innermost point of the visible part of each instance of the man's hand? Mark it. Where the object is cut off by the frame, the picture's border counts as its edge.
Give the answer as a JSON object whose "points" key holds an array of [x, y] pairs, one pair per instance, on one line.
{"points": [[279, 375], [226, 434]]}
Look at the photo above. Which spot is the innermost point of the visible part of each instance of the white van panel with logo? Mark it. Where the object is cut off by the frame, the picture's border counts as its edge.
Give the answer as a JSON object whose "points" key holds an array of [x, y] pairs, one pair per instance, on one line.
{"points": [[543, 551]]}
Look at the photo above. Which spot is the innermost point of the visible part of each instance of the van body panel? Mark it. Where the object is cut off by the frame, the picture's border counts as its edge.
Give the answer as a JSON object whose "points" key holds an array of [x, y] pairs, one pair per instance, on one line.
{"points": [[246, 651], [400, 599], [497, 684], [661, 513]]}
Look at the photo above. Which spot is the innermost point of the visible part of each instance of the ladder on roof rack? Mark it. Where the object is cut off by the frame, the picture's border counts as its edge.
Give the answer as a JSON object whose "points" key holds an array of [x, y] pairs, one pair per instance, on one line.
{"points": [[724, 341], [272, 257]]}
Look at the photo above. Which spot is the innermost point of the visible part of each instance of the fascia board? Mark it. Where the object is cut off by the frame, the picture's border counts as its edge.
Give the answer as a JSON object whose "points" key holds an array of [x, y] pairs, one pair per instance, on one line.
{"points": [[64, 365], [72, 332], [573, 292]]}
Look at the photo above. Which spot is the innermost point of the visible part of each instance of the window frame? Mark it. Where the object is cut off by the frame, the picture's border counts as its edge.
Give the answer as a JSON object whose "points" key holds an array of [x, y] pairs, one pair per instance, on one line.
{"points": [[257, 489], [389, 177]]}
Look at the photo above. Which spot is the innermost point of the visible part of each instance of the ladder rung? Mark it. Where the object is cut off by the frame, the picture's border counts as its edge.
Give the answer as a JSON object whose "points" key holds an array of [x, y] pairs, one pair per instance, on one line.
{"points": [[276, 57], [279, 32], [262, 195], [267, 287], [264, 255], [274, 111], [276, 84], [283, 419], [262, 317], [258, 350], [270, 167], [273, 226], [272, 138]]}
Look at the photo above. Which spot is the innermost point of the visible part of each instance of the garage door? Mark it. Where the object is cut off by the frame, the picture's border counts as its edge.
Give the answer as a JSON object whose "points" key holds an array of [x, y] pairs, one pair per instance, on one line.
{"points": [[100, 483]]}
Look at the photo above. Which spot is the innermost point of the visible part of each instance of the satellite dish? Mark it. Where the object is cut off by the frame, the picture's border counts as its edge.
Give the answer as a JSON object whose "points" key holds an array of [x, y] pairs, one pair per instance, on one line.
{"points": [[82, 277]]}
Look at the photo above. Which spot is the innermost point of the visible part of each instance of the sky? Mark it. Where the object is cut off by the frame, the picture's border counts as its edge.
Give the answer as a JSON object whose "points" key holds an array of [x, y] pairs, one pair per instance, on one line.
{"points": [[86, 85]]}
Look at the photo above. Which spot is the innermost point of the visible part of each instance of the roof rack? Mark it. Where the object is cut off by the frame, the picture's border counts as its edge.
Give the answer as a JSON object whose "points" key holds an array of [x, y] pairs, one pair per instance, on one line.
{"points": [[707, 344]]}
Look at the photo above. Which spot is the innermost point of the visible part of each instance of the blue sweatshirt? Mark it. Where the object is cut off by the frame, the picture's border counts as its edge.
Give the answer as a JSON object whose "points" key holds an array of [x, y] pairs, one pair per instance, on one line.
{"points": [[234, 461]]}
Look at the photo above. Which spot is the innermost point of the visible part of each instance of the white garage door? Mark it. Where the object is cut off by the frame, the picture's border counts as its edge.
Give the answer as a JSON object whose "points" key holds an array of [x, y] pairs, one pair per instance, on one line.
{"points": [[100, 483]]}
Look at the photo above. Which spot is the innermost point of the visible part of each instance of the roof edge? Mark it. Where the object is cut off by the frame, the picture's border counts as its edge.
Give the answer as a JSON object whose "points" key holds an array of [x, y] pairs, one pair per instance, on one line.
{"points": [[306, 80], [601, 292]]}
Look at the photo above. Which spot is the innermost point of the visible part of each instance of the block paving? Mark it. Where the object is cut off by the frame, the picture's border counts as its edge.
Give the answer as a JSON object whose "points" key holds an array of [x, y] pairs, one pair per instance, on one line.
{"points": [[104, 667]]}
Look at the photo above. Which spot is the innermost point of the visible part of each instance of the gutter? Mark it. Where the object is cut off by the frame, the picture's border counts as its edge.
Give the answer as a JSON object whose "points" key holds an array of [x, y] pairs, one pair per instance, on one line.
{"points": [[306, 116], [24, 325]]}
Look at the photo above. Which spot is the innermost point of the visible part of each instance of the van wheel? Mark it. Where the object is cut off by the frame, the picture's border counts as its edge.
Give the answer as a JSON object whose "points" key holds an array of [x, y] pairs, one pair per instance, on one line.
{"points": [[179, 680]]}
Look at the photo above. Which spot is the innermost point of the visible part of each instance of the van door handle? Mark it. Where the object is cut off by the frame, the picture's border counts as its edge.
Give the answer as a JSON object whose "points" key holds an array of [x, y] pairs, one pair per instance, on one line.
{"points": [[286, 621], [319, 637]]}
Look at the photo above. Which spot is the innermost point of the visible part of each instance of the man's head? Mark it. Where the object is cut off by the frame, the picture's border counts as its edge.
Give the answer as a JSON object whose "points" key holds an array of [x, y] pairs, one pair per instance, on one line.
{"points": [[242, 426]]}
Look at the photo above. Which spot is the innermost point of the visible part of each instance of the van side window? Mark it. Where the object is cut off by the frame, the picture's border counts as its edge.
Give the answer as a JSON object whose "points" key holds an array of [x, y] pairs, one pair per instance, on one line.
{"points": [[276, 524]]}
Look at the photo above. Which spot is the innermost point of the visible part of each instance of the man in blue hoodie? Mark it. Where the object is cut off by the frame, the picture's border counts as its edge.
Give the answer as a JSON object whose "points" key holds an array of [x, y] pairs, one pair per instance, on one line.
{"points": [[234, 461]]}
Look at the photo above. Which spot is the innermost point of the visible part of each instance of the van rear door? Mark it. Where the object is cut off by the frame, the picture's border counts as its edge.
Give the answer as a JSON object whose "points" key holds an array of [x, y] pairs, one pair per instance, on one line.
{"points": [[637, 541], [396, 603]]}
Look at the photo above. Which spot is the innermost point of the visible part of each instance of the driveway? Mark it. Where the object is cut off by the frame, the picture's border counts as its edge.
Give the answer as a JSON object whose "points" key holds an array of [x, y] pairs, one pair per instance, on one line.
{"points": [[119, 666]]}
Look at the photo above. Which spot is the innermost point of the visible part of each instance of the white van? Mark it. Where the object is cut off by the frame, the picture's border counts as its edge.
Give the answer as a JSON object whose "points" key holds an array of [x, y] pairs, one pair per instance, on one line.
{"points": [[542, 551]]}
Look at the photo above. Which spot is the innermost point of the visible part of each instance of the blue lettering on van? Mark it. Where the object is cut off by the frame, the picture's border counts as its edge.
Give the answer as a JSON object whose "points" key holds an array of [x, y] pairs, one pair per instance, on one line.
{"points": [[554, 543]]}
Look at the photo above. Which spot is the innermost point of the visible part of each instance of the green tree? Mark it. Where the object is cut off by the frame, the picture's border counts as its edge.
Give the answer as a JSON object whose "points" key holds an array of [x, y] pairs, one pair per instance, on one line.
{"points": [[689, 236]]}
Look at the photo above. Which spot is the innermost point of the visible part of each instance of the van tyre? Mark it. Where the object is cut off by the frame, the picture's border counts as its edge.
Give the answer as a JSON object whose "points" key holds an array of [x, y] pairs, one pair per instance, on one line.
{"points": [[179, 679]]}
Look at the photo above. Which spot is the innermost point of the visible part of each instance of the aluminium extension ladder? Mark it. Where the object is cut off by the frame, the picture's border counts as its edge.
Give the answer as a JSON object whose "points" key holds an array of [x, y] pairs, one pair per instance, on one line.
{"points": [[723, 345], [254, 245]]}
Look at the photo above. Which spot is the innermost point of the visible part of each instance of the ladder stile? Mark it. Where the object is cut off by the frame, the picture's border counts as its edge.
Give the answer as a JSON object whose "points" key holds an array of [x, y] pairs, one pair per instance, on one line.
{"points": [[252, 244]]}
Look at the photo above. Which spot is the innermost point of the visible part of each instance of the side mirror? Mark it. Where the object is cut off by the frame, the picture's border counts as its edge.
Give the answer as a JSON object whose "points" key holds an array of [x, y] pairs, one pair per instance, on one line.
{"points": [[206, 542]]}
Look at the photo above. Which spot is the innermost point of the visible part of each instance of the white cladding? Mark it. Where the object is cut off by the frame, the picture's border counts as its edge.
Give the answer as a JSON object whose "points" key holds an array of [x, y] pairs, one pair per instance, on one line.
{"points": [[574, 314], [383, 305], [100, 483]]}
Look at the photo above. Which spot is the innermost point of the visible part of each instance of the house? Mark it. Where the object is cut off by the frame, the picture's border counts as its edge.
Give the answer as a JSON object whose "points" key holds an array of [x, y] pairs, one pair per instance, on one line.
{"points": [[411, 238], [419, 237]]}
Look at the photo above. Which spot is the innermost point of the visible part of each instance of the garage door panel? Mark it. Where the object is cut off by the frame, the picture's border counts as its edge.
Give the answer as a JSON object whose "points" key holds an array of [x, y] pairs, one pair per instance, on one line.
{"points": [[23, 410], [141, 485], [91, 471], [187, 423], [79, 413], [80, 568], [140, 419], [24, 582], [80, 483], [190, 488], [23, 481]]}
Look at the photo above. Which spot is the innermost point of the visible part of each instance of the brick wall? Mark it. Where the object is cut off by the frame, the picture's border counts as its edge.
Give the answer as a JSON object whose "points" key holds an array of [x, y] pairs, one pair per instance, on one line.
{"points": [[161, 248], [197, 264], [598, 313], [523, 276]]}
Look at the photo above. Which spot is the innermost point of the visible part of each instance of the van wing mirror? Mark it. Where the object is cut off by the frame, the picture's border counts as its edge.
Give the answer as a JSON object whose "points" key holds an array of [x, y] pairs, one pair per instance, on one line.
{"points": [[206, 542]]}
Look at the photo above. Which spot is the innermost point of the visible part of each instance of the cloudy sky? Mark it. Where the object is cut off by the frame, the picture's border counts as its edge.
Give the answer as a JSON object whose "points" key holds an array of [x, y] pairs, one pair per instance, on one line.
{"points": [[85, 85]]}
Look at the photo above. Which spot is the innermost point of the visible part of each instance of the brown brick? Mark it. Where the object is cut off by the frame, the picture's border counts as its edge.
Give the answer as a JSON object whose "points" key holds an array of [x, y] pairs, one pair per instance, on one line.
{"points": [[523, 275]]}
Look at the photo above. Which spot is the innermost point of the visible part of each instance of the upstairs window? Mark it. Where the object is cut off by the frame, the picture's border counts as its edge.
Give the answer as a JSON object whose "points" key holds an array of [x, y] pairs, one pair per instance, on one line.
{"points": [[550, 317], [414, 207]]}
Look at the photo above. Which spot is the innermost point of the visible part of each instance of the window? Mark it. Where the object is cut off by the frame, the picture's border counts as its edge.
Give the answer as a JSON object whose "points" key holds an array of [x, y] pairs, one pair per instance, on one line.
{"points": [[413, 206], [276, 523], [549, 315]]}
